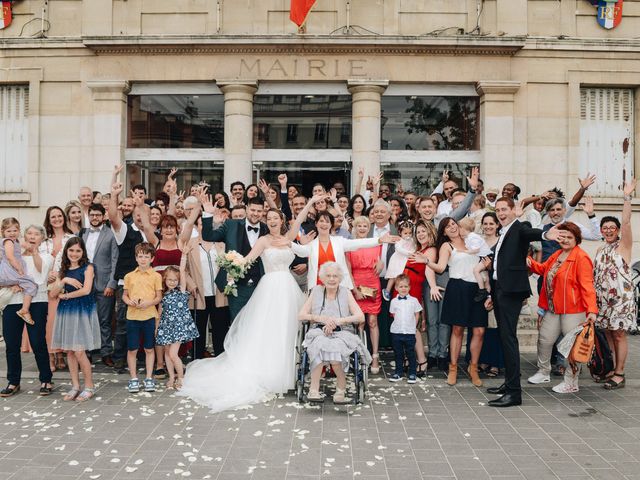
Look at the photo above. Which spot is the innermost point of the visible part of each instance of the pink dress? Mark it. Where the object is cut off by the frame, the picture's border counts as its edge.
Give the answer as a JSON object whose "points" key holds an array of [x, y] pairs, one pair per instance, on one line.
{"points": [[363, 268]]}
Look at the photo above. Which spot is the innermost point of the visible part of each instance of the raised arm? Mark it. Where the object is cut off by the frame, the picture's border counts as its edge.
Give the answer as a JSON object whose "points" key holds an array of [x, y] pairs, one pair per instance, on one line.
{"points": [[114, 214], [183, 269], [295, 228], [187, 226], [585, 183], [464, 207], [142, 209], [359, 181], [626, 235], [284, 196], [264, 187]]}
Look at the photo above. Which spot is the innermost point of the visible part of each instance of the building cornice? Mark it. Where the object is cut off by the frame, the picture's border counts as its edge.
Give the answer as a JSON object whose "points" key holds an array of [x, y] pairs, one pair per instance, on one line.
{"points": [[305, 45]]}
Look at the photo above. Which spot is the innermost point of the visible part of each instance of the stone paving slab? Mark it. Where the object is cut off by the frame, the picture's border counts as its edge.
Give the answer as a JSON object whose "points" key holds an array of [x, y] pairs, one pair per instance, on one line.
{"points": [[427, 430]]}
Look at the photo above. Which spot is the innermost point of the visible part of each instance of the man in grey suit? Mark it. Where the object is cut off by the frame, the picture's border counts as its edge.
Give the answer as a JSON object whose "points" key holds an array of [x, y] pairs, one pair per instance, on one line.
{"points": [[102, 251], [380, 227]]}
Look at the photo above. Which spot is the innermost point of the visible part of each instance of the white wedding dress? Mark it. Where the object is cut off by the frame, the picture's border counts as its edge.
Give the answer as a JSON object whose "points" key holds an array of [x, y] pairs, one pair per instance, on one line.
{"points": [[259, 357]]}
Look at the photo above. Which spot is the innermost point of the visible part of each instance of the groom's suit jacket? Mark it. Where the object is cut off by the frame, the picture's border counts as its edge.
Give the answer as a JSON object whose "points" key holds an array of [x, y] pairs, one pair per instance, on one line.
{"points": [[234, 235]]}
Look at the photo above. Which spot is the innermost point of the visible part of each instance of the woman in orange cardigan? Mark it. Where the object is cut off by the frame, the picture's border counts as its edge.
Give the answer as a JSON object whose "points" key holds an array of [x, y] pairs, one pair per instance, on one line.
{"points": [[567, 296]]}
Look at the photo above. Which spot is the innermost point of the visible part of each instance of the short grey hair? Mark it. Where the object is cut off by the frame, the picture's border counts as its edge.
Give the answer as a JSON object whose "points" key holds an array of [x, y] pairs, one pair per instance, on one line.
{"points": [[382, 203], [325, 267], [553, 202], [39, 228], [190, 201]]}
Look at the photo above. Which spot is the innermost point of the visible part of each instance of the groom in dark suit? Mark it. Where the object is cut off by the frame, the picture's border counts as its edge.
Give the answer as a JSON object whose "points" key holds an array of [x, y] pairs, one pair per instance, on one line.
{"points": [[509, 287], [241, 236]]}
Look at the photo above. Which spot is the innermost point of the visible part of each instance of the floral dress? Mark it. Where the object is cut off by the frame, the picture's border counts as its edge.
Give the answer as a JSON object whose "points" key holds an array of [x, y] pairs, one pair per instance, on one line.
{"points": [[614, 290], [176, 322]]}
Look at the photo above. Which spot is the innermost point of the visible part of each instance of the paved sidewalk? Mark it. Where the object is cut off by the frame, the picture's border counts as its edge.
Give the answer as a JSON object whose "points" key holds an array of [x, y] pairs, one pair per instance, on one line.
{"points": [[427, 430]]}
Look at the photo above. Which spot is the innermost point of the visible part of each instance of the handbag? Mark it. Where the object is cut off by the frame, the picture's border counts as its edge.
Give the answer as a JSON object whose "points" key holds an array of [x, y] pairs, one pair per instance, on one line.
{"points": [[601, 361], [583, 346], [368, 292]]}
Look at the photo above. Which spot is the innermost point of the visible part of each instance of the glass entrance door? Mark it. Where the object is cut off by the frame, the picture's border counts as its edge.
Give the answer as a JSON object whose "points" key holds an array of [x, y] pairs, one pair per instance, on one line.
{"points": [[305, 175]]}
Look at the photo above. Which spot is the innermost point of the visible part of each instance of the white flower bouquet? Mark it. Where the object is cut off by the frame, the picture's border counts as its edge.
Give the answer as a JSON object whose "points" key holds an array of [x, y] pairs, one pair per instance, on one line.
{"points": [[236, 267]]}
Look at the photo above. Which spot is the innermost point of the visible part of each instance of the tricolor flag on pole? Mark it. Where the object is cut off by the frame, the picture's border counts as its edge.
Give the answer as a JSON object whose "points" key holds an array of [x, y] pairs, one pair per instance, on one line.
{"points": [[300, 10], [5, 14]]}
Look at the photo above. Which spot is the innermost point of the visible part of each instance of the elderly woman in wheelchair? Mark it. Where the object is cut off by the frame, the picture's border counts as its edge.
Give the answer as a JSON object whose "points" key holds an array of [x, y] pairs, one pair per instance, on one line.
{"points": [[332, 337]]}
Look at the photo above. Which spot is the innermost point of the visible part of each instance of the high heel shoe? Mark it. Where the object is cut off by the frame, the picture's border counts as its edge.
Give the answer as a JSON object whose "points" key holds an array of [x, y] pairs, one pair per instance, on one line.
{"points": [[472, 370], [419, 371], [375, 370], [452, 376]]}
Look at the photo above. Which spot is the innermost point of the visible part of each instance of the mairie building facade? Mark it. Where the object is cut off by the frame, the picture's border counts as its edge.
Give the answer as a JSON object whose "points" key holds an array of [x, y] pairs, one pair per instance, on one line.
{"points": [[534, 92]]}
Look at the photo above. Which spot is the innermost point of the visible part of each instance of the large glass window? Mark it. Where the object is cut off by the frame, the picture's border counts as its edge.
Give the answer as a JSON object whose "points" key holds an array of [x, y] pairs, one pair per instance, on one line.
{"points": [[175, 121], [153, 174], [429, 123], [423, 178], [302, 121], [305, 175]]}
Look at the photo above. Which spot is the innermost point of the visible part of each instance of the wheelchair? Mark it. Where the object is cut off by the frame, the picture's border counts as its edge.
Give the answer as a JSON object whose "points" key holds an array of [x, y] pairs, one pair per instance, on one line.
{"points": [[357, 368]]}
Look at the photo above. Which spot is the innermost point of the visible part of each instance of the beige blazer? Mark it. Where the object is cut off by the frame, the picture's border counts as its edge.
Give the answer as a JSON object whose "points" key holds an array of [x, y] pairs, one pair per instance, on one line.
{"points": [[194, 275]]}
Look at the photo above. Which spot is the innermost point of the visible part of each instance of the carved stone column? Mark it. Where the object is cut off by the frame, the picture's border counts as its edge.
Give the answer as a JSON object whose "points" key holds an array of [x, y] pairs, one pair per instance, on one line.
{"points": [[497, 125], [109, 131], [238, 129], [366, 97]]}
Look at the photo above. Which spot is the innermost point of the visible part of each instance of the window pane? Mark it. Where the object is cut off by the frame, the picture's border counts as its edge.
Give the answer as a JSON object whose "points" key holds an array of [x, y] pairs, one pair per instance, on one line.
{"points": [[429, 123], [423, 178], [176, 121], [153, 174], [14, 137], [305, 175], [302, 121]]}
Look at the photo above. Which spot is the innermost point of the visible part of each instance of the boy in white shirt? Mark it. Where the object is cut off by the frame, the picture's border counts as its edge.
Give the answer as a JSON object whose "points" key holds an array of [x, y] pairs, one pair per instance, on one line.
{"points": [[405, 311]]}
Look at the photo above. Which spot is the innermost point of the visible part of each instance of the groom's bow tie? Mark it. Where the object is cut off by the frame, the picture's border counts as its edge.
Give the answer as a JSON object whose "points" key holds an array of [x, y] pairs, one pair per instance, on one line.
{"points": [[252, 229]]}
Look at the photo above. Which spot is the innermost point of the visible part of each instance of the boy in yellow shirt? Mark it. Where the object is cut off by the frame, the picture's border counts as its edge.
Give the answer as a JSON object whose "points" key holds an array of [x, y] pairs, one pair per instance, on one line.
{"points": [[142, 292]]}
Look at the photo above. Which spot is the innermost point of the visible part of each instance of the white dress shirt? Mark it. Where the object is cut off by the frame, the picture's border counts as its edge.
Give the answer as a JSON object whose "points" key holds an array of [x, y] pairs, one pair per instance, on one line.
{"points": [[503, 233], [252, 234], [404, 314], [92, 241], [444, 208], [377, 233], [209, 269]]}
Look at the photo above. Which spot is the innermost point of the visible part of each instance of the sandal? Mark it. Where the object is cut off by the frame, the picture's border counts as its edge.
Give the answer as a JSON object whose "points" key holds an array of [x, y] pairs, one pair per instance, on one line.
{"points": [[26, 316], [314, 396], [419, 371], [603, 378], [178, 384], [71, 394], [375, 370], [46, 390], [10, 390], [492, 372], [86, 394], [170, 384], [611, 384], [340, 398]]}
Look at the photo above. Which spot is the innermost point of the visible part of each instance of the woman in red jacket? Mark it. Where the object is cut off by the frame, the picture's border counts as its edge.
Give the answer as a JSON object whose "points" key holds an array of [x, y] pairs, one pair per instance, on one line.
{"points": [[567, 296]]}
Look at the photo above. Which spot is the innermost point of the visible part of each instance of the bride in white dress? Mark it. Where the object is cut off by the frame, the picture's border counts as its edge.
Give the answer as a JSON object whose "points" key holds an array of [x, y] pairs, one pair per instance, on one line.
{"points": [[259, 357]]}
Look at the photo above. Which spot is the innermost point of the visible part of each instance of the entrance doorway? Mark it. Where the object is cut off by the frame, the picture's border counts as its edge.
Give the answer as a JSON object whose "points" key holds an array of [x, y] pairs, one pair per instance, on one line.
{"points": [[305, 175]]}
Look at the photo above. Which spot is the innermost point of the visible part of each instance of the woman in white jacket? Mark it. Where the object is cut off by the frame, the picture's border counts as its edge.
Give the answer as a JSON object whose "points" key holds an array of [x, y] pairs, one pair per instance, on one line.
{"points": [[327, 248]]}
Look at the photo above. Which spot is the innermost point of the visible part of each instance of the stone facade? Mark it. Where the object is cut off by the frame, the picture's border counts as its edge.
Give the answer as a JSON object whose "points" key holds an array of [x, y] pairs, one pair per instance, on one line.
{"points": [[527, 61]]}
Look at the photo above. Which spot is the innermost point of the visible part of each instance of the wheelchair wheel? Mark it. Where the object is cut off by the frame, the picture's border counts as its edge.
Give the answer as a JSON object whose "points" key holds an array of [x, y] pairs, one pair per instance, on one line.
{"points": [[300, 374], [357, 378]]}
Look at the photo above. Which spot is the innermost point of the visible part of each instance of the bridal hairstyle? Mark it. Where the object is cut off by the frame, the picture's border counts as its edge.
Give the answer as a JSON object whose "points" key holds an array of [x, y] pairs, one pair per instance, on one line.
{"points": [[284, 228]]}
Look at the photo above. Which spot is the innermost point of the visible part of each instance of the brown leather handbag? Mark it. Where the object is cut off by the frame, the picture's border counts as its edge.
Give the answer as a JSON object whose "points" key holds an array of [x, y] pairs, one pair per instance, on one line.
{"points": [[583, 346]]}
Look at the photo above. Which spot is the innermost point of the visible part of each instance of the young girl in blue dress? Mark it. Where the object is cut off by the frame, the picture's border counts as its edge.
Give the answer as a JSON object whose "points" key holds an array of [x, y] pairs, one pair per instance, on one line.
{"points": [[76, 328], [176, 323]]}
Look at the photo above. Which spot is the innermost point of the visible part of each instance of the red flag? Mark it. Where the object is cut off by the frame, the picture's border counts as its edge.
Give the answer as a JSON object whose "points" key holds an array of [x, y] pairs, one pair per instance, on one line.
{"points": [[5, 14], [299, 10]]}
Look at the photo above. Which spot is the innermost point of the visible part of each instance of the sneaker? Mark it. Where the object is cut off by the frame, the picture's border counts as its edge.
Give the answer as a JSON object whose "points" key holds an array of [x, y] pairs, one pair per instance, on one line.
{"points": [[395, 378], [480, 295], [160, 374], [386, 294], [539, 377], [149, 385], [134, 385], [565, 387], [412, 379]]}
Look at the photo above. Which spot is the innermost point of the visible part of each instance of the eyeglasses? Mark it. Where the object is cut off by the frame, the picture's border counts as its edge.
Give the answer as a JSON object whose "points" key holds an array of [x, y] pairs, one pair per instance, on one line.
{"points": [[95, 215], [606, 229]]}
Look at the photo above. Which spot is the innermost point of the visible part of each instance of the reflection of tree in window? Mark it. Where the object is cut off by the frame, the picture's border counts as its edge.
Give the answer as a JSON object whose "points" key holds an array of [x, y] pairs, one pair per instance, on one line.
{"points": [[450, 122]]}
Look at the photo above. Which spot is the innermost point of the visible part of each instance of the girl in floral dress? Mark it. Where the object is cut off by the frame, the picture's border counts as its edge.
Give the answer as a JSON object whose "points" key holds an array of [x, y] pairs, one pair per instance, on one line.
{"points": [[176, 323]]}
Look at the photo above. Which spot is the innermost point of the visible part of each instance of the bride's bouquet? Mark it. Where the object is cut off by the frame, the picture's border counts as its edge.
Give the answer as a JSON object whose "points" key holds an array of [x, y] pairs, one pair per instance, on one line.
{"points": [[236, 267]]}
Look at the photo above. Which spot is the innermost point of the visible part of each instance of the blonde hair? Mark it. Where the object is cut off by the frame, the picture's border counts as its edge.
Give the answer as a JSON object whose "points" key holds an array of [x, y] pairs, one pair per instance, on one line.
{"points": [[9, 222], [361, 219], [468, 224]]}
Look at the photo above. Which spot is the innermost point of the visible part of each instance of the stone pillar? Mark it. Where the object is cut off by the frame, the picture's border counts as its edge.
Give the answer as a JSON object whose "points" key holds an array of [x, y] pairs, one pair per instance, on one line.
{"points": [[109, 132], [366, 97], [497, 125], [238, 130]]}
